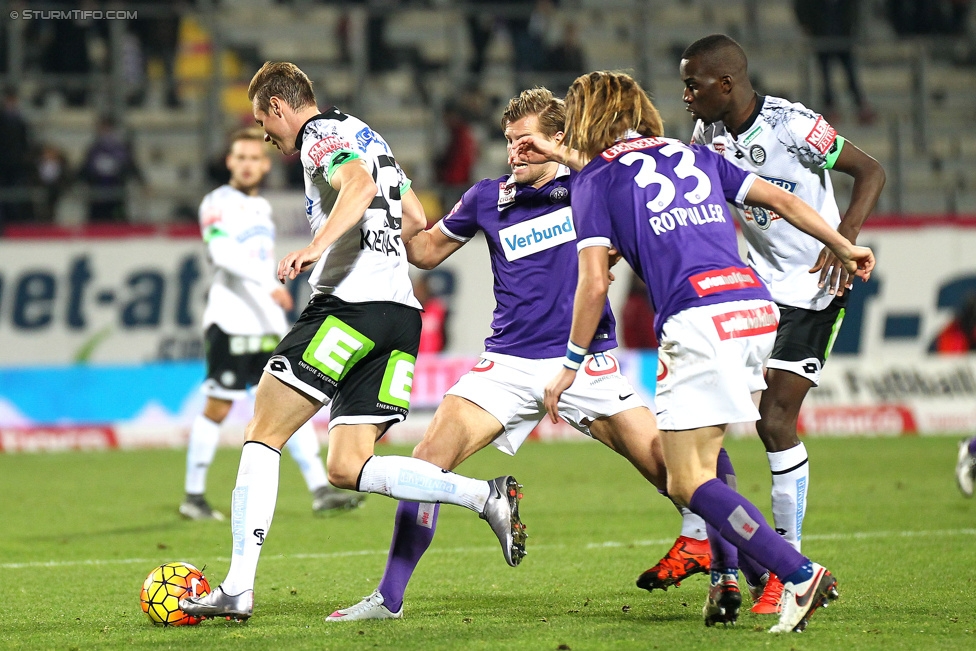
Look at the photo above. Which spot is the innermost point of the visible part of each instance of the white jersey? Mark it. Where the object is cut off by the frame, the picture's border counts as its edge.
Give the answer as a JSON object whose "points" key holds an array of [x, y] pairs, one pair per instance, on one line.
{"points": [[369, 262], [787, 144], [240, 240]]}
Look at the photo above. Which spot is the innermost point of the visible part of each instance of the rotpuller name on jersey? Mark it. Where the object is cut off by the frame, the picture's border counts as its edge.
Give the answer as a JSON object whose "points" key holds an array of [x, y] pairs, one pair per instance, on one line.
{"points": [[381, 241], [691, 216]]}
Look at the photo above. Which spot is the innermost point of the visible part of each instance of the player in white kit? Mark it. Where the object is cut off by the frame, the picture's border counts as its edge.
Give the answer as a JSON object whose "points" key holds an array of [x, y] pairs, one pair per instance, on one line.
{"points": [[792, 147], [353, 347], [243, 322]]}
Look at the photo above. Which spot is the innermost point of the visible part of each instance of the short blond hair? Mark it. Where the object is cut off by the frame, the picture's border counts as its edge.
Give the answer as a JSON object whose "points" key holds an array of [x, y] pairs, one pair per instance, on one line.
{"points": [[602, 106], [540, 102], [284, 80]]}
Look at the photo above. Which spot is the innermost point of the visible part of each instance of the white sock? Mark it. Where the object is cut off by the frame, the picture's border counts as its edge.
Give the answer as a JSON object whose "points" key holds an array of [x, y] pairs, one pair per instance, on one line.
{"points": [[251, 511], [692, 526], [304, 448], [204, 436], [791, 482], [415, 480]]}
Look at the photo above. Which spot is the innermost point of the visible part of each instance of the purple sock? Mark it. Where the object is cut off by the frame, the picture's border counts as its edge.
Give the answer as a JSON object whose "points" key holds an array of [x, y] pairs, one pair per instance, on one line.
{"points": [[724, 554], [752, 570], [972, 446], [741, 523], [412, 535]]}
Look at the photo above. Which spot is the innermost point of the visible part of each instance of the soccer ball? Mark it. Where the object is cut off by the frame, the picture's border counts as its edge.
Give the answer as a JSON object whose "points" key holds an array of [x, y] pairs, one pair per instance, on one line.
{"points": [[163, 589]]}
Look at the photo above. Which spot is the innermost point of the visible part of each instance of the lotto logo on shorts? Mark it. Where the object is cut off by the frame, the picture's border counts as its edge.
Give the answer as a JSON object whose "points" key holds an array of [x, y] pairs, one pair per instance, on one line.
{"points": [[744, 525], [746, 323]]}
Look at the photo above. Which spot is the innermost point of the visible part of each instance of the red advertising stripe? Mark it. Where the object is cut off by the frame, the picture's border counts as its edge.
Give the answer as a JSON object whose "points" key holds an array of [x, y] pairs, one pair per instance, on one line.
{"points": [[57, 438], [871, 420], [722, 280], [745, 323]]}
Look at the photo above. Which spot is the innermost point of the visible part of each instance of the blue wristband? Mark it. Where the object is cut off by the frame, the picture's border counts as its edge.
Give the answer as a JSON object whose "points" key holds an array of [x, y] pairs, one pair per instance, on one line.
{"points": [[574, 356]]}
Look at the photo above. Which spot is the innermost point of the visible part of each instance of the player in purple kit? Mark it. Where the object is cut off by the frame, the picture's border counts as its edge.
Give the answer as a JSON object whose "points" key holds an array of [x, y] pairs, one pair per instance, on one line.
{"points": [[531, 234], [662, 205]]}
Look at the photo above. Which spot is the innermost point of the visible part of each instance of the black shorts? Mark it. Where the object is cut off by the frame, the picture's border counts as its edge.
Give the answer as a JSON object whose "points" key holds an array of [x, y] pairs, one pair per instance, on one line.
{"points": [[234, 362], [358, 356], [804, 338]]}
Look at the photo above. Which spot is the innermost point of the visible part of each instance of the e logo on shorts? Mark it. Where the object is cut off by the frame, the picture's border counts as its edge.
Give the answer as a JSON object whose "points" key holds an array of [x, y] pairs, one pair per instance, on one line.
{"points": [[336, 348], [398, 379]]}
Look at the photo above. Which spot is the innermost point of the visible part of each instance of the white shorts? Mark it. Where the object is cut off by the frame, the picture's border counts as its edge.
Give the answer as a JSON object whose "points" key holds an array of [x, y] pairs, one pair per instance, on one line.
{"points": [[711, 361], [511, 389]]}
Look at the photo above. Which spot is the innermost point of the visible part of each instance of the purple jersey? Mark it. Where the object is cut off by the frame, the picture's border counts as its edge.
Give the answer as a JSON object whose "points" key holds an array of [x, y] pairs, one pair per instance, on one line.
{"points": [[663, 205], [531, 237]]}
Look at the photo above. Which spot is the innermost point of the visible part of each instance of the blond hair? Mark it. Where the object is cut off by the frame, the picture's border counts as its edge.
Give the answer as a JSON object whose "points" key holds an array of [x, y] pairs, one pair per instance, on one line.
{"points": [[246, 133], [540, 102], [601, 107], [284, 80]]}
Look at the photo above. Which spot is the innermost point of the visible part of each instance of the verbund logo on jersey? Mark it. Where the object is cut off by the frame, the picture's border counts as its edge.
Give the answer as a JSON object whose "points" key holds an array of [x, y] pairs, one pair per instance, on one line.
{"points": [[789, 186], [538, 234], [632, 145]]}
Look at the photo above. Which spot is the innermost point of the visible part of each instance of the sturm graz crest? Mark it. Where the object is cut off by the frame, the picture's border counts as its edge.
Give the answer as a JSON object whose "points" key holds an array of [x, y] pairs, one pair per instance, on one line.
{"points": [[757, 154]]}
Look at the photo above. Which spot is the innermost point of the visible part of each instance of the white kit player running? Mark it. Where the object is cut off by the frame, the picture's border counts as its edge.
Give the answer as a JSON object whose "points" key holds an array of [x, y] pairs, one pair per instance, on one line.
{"points": [[353, 347], [243, 322], [792, 147], [531, 234]]}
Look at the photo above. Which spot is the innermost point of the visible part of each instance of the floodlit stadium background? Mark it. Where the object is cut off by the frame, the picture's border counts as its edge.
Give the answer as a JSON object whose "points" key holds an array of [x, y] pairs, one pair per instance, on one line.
{"points": [[100, 341]]}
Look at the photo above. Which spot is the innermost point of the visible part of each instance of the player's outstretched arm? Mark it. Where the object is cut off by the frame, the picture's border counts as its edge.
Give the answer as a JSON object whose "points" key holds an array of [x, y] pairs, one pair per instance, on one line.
{"points": [[356, 191], [857, 260], [591, 295], [529, 149], [869, 180], [414, 217]]}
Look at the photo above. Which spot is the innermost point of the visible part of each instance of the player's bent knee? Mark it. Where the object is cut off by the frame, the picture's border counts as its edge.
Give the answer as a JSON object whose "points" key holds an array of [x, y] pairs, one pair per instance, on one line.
{"points": [[342, 475]]}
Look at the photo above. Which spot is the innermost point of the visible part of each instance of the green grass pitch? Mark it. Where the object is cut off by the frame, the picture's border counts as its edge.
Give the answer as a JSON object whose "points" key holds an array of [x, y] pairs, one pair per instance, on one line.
{"points": [[81, 531]]}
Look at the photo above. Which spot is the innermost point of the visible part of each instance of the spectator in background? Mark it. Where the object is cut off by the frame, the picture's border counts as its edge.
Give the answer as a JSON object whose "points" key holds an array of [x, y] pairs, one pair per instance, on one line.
{"points": [[959, 336], [15, 161], [159, 37], [66, 52], [482, 23], [52, 176], [109, 165], [831, 25], [638, 317], [915, 17], [455, 165], [433, 333], [567, 55]]}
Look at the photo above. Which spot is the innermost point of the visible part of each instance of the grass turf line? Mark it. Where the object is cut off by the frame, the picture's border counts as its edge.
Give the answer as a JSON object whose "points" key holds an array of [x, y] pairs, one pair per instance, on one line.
{"points": [[589, 517]]}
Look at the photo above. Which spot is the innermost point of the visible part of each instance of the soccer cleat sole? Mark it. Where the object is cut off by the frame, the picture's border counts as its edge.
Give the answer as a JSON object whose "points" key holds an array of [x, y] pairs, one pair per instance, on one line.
{"points": [[514, 490]]}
